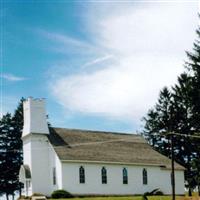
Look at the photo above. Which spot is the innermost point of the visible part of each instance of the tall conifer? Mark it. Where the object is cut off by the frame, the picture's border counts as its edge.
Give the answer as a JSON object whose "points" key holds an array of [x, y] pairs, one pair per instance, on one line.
{"points": [[11, 151], [178, 111]]}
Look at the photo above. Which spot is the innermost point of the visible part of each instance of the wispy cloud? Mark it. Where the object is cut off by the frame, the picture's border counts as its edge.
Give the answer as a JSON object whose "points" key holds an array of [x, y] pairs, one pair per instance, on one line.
{"points": [[149, 43], [12, 77], [61, 38], [97, 61], [67, 44]]}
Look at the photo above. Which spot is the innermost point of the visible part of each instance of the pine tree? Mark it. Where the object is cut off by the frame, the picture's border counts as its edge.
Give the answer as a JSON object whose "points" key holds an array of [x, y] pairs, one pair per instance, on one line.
{"points": [[193, 66], [158, 123], [173, 114], [182, 95], [11, 151], [17, 123], [178, 111], [6, 165]]}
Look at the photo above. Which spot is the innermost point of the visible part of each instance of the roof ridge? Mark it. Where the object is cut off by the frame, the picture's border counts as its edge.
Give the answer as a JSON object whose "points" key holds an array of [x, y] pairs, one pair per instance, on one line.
{"points": [[97, 131]]}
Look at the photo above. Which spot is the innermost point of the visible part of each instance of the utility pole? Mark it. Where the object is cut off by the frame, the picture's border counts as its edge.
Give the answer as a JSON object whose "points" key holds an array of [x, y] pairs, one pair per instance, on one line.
{"points": [[172, 166]]}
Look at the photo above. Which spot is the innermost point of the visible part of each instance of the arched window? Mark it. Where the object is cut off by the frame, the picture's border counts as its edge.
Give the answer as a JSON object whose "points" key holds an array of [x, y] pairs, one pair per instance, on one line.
{"points": [[104, 175], [82, 174], [125, 176], [144, 174]]}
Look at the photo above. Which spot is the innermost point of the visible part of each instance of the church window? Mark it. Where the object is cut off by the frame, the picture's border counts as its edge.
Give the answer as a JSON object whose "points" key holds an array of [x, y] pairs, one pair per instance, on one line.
{"points": [[125, 176], [82, 174], [54, 176], [144, 174], [104, 175]]}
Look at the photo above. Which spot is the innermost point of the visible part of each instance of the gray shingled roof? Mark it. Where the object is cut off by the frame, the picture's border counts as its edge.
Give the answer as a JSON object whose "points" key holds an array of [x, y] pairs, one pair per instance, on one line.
{"points": [[96, 146]]}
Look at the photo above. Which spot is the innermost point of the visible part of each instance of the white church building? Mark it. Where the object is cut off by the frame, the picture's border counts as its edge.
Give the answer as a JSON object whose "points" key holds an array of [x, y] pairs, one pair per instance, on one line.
{"points": [[89, 162]]}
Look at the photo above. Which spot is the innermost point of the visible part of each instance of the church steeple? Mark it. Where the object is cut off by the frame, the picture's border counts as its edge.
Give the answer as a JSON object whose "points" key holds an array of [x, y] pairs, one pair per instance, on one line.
{"points": [[34, 117]]}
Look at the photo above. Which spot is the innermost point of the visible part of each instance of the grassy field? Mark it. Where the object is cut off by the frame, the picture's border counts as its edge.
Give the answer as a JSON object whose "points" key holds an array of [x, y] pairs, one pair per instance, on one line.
{"points": [[133, 198]]}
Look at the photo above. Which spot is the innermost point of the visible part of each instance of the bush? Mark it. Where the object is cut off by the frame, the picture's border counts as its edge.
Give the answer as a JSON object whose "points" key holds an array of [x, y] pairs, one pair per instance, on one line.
{"points": [[156, 191], [57, 194], [159, 192]]}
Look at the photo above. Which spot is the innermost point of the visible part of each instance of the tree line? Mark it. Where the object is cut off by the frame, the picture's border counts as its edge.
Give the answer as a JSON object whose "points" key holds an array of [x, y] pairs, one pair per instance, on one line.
{"points": [[177, 111]]}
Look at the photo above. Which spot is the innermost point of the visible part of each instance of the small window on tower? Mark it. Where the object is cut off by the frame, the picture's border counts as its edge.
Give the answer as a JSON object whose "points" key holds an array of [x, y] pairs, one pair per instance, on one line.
{"points": [[28, 183], [54, 176]]}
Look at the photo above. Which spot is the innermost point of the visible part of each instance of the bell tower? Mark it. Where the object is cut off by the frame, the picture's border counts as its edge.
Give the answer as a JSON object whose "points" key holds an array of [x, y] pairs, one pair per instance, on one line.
{"points": [[36, 147], [34, 117]]}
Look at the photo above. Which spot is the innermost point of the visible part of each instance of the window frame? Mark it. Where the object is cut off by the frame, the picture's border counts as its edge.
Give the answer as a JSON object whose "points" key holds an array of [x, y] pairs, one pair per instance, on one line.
{"points": [[125, 176], [81, 175], [104, 175], [54, 175], [145, 176]]}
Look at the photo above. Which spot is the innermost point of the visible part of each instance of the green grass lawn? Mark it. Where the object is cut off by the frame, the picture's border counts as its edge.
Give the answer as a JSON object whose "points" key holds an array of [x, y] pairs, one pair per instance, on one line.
{"points": [[123, 198]]}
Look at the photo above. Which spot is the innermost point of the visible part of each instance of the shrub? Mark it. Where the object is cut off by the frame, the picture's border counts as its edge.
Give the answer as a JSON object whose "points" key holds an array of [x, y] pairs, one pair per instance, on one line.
{"points": [[57, 194], [159, 192], [156, 191]]}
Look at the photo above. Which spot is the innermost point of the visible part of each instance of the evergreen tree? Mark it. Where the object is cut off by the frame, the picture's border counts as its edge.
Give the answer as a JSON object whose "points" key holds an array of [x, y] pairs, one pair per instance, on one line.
{"points": [[158, 123], [7, 164], [17, 123], [11, 151], [178, 111], [193, 66], [182, 95], [173, 114]]}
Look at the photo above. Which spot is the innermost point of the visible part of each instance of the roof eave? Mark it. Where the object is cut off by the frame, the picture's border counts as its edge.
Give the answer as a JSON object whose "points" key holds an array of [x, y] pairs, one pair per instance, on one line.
{"points": [[120, 163]]}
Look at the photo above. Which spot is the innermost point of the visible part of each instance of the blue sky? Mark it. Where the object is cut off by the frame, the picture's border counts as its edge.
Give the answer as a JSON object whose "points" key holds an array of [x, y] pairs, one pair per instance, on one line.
{"points": [[99, 64]]}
